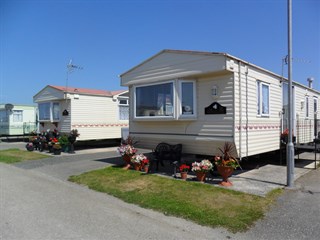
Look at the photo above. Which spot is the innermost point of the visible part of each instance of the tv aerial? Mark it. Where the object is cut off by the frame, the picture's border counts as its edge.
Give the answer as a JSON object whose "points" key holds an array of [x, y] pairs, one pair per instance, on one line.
{"points": [[70, 68]]}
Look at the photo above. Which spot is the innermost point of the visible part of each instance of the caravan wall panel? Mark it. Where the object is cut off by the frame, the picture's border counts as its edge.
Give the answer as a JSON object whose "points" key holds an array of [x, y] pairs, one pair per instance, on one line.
{"points": [[200, 136], [96, 118], [304, 123], [256, 134]]}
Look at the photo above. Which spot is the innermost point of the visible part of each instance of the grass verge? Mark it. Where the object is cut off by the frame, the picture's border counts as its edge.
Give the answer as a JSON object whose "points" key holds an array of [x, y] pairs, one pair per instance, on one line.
{"points": [[202, 203], [16, 155]]}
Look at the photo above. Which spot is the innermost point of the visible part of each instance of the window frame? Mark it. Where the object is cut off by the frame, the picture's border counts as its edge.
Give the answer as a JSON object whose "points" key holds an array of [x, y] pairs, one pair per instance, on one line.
{"points": [[154, 117], [176, 101], [194, 114], [306, 106], [51, 114], [19, 114], [4, 116], [260, 98], [315, 105], [121, 105]]}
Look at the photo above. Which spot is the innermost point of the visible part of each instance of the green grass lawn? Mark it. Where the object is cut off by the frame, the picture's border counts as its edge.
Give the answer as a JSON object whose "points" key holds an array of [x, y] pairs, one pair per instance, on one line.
{"points": [[16, 155], [202, 203]]}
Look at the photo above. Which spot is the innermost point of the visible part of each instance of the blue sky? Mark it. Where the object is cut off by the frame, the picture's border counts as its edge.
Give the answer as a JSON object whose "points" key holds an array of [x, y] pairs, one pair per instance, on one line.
{"points": [[108, 37]]}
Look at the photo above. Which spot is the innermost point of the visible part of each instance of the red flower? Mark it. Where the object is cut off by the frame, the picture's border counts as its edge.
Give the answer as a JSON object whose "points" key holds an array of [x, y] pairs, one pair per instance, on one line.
{"points": [[184, 168], [145, 161]]}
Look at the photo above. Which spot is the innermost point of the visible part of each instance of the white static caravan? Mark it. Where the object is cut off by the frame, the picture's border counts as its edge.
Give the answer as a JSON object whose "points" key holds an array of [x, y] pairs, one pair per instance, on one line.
{"points": [[96, 114], [17, 119], [204, 99]]}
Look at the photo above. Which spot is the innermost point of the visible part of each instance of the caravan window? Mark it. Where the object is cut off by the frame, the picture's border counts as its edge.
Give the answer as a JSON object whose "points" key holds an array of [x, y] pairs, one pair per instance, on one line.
{"points": [[44, 111], [55, 111], [154, 100], [123, 108], [49, 111], [17, 116], [262, 99], [307, 107], [187, 98], [174, 99], [3, 116]]}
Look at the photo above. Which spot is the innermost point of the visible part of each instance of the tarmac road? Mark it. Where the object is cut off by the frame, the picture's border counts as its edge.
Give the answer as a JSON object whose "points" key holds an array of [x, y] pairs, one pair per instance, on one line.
{"points": [[35, 205], [37, 202], [295, 216]]}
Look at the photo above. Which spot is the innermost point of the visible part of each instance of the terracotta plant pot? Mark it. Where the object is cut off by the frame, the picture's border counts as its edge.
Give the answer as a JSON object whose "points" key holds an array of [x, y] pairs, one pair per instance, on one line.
{"points": [[146, 168], [225, 172], [201, 176], [184, 175], [137, 166], [127, 161]]}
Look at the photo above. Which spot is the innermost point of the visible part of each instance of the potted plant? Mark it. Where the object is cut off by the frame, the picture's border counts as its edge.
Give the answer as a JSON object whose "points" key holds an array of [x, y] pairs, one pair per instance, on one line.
{"points": [[145, 165], [137, 161], [226, 163], [51, 143], [201, 169], [56, 147], [126, 150], [30, 146], [72, 139], [184, 169], [64, 141]]}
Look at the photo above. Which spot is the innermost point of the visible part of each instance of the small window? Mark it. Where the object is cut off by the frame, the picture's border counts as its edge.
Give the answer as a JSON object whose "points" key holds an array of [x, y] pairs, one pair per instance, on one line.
{"points": [[17, 116], [123, 112], [307, 107], [262, 99], [123, 102], [55, 111], [315, 105], [187, 98]]}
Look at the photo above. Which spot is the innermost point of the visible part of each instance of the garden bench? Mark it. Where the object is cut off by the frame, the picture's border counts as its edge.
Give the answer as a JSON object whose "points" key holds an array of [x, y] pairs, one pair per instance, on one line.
{"points": [[166, 152]]}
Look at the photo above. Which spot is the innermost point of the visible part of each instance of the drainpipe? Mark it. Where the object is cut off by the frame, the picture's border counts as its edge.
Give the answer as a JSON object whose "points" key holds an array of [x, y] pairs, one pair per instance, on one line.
{"points": [[240, 111], [247, 114]]}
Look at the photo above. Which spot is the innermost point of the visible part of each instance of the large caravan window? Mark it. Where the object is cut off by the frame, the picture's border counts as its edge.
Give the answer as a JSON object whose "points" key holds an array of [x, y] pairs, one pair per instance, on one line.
{"points": [[49, 111], [173, 100], [154, 100], [262, 99]]}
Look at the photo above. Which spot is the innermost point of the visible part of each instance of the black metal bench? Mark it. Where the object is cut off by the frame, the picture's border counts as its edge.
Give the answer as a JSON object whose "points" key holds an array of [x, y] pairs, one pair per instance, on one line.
{"points": [[166, 152]]}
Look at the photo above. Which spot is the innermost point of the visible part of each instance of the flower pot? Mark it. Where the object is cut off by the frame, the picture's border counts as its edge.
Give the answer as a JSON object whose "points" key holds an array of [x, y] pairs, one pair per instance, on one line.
{"points": [[184, 175], [146, 168], [127, 161], [225, 172], [137, 166], [201, 176], [57, 151]]}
